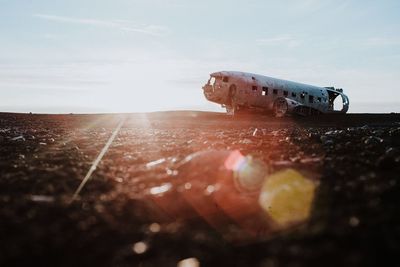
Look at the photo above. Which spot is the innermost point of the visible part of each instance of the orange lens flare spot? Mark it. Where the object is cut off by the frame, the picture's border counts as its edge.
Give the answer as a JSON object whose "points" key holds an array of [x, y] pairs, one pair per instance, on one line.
{"points": [[234, 160], [287, 197]]}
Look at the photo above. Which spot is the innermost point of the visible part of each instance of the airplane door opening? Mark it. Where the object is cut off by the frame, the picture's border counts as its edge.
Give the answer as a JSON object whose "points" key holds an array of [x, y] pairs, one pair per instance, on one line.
{"points": [[338, 104]]}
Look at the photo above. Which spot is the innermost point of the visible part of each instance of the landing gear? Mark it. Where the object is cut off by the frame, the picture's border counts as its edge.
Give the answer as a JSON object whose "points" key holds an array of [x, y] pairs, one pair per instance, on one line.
{"points": [[280, 107], [232, 108]]}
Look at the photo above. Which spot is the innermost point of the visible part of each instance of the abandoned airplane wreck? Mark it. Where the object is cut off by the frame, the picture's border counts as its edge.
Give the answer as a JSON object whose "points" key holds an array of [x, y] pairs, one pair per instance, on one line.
{"points": [[240, 91]]}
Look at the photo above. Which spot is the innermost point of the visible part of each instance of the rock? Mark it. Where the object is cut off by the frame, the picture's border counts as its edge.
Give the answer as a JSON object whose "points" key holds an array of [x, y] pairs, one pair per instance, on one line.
{"points": [[155, 163], [336, 132], [245, 141], [378, 132], [311, 160], [189, 262], [389, 160], [314, 136], [372, 140], [395, 132], [255, 132], [42, 198], [326, 140], [18, 138], [348, 145]]}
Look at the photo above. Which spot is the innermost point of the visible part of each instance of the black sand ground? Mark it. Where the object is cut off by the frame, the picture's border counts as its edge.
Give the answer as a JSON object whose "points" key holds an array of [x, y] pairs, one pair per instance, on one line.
{"points": [[355, 219]]}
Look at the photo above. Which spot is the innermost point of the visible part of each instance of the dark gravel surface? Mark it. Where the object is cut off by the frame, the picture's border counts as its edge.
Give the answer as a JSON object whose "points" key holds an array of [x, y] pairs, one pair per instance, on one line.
{"points": [[143, 206]]}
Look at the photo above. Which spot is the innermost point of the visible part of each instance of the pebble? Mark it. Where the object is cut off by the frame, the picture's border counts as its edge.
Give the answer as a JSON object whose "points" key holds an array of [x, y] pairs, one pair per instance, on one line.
{"points": [[336, 132], [255, 132], [189, 262], [42, 198], [160, 189], [155, 228], [372, 140], [326, 140], [155, 163], [395, 132], [245, 141], [354, 221], [18, 138], [378, 132], [139, 247], [349, 145], [311, 160], [389, 160]]}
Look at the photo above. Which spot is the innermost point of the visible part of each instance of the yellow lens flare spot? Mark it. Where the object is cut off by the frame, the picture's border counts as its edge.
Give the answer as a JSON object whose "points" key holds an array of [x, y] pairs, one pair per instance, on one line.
{"points": [[287, 196]]}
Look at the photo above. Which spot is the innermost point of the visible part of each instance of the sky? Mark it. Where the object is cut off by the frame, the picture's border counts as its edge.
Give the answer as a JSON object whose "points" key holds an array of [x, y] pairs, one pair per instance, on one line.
{"points": [[85, 56]]}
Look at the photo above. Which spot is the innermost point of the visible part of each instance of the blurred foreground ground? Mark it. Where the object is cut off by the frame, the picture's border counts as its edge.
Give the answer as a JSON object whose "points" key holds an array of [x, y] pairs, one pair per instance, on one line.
{"points": [[138, 208]]}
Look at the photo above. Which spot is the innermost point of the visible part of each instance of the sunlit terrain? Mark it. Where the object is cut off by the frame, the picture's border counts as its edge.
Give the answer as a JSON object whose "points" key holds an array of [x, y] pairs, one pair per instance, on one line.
{"points": [[202, 188]]}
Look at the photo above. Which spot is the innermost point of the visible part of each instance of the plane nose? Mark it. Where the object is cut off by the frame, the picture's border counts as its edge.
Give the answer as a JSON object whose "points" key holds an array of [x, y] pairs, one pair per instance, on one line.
{"points": [[207, 91]]}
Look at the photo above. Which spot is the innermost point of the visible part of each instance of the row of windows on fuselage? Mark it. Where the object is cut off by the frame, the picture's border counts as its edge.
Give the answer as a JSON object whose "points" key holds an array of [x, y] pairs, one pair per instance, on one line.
{"points": [[265, 91]]}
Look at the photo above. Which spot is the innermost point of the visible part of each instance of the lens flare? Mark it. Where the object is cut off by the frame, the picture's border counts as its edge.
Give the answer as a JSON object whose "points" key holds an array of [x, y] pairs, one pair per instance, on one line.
{"points": [[248, 173], [234, 160], [287, 197]]}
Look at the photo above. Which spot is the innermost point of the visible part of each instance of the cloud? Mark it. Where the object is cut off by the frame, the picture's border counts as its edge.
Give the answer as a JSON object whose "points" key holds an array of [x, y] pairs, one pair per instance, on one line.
{"points": [[285, 40], [124, 25]]}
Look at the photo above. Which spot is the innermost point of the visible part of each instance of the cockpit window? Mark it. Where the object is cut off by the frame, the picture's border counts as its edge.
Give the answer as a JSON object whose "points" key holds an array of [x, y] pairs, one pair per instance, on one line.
{"points": [[211, 81]]}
